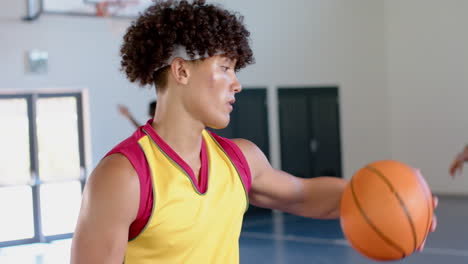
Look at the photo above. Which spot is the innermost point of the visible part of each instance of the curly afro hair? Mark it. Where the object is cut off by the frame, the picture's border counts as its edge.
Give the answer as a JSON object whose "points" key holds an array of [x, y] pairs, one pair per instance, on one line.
{"points": [[201, 28]]}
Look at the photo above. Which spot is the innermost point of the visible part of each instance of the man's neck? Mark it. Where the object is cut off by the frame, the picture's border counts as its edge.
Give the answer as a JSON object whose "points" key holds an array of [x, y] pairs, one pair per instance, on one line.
{"points": [[178, 129]]}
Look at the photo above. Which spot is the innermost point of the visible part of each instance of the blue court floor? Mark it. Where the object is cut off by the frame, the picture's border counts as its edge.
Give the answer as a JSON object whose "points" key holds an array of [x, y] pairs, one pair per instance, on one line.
{"points": [[285, 239]]}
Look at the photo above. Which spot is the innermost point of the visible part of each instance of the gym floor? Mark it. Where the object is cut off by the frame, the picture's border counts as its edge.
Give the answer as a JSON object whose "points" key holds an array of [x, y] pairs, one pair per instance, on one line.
{"points": [[289, 239]]}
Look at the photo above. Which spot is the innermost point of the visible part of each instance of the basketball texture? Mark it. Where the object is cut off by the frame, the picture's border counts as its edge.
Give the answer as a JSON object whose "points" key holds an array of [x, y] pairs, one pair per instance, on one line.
{"points": [[386, 210]]}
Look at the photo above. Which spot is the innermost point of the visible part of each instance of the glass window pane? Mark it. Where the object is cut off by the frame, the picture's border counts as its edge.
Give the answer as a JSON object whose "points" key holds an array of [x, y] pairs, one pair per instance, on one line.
{"points": [[26, 254], [57, 132], [16, 221], [14, 142], [60, 205]]}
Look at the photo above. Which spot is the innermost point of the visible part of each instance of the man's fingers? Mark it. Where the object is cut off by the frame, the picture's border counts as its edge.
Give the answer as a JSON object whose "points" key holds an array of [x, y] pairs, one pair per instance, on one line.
{"points": [[435, 201], [434, 223], [421, 248]]}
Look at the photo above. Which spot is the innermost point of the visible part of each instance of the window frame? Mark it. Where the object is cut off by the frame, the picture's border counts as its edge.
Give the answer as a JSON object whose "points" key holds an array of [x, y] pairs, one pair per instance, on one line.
{"points": [[32, 96]]}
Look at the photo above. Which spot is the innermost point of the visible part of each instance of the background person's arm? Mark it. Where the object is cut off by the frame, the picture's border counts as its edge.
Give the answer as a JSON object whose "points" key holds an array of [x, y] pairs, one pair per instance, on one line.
{"points": [[126, 113], [457, 164]]}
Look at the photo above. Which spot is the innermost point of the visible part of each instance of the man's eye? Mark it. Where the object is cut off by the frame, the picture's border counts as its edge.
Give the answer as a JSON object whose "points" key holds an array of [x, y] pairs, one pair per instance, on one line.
{"points": [[225, 68]]}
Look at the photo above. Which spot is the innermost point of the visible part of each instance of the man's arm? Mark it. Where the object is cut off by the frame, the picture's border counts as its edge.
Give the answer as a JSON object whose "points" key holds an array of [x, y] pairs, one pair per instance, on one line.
{"points": [[316, 197], [110, 203]]}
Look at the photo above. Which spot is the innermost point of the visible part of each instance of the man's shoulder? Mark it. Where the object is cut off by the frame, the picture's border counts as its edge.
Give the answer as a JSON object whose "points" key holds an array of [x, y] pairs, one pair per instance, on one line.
{"points": [[247, 147], [115, 166], [114, 175]]}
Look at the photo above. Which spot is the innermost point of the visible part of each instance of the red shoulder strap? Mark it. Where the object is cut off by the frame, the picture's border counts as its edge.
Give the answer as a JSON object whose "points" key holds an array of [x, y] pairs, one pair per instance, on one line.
{"points": [[237, 157], [132, 151]]}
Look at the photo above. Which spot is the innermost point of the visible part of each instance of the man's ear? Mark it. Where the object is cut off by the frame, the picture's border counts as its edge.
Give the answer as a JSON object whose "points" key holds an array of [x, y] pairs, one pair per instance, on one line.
{"points": [[180, 70]]}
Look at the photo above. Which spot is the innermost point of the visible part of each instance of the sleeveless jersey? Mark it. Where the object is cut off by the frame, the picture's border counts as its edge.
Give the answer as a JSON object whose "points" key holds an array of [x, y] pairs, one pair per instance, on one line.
{"points": [[182, 219]]}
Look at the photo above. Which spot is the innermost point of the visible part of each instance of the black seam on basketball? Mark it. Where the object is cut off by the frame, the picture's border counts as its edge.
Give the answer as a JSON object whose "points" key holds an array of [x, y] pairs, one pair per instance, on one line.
{"points": [[372, 225], [402, 203]]}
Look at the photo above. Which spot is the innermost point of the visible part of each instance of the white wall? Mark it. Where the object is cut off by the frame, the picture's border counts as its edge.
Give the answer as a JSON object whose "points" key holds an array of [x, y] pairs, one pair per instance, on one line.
{"points": [[83, 53], [296, 43], [427, 60], [307, 43]]}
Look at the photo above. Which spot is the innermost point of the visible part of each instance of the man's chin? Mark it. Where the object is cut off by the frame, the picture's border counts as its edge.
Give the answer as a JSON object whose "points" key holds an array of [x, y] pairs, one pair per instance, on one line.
{"points": [[218, 126]]}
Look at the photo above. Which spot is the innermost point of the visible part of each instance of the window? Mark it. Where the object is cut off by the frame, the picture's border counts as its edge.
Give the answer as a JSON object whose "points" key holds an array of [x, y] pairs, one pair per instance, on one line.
{"points": [[42, 168]]}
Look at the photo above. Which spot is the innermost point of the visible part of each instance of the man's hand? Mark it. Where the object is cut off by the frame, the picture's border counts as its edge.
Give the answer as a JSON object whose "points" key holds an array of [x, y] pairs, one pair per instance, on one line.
{"points": [[435, 203]]}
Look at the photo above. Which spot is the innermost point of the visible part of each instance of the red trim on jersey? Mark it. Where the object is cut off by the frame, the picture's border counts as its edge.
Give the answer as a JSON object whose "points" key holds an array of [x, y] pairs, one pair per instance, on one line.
{"points": [[203, 168], [237, 157], [132, 151], [200, 185]]}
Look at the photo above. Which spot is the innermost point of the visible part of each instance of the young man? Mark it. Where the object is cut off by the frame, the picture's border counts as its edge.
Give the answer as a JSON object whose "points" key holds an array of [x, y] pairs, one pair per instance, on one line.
{"points": [[174, 192]]}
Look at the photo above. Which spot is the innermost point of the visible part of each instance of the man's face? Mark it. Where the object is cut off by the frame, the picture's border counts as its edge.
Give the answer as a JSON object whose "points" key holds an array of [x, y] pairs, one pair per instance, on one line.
{"points": [[211, 90]]}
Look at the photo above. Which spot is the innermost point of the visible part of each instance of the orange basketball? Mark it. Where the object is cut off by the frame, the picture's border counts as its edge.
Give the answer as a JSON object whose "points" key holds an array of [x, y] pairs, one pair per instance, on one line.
{"points": [[386, 210]]}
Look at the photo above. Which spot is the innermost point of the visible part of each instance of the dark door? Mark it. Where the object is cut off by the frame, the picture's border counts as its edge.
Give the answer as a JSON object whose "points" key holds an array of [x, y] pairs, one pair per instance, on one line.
{"points": [[310, 132], [249, 119]]}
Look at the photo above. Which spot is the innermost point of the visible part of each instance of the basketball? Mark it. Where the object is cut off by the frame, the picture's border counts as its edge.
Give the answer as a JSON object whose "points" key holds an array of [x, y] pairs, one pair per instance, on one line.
{"points": [[386, 210]]}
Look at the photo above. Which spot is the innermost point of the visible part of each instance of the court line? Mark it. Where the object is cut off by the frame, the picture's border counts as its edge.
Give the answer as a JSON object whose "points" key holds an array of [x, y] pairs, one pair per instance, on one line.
{"points": [[269, 220], [344, 242], [253, 223]]}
